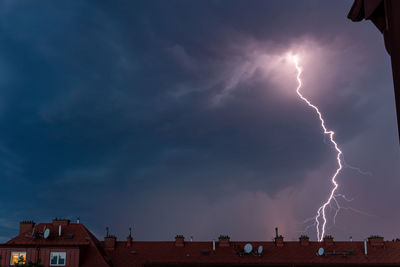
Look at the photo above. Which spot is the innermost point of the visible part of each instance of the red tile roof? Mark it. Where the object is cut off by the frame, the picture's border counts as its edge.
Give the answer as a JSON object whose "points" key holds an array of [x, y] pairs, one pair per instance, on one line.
{"points": [[166, 253]]}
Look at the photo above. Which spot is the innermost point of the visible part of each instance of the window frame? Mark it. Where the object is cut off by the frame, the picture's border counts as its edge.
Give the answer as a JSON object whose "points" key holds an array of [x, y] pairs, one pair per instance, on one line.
{"points": [[58, 254], [19, 255]]}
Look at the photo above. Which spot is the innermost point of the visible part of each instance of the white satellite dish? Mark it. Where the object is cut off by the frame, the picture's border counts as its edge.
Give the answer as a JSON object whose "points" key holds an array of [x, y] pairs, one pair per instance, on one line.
{"points": [[321, 251], [248, 248], [46, 233], [260, 249]]}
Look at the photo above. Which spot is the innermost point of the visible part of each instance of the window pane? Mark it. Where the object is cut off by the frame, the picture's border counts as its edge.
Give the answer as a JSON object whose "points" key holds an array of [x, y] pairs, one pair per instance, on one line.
{"points": [[61, 259], [14, 258], [53, 259]]}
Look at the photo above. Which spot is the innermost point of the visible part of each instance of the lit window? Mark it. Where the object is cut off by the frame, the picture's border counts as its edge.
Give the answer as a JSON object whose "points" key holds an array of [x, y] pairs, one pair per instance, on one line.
{"points": [[18, 258], [57, 258]]}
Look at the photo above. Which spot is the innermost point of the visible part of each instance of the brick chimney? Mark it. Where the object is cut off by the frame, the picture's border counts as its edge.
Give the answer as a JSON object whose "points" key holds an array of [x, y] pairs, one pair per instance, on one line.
{"points": [[376, 241], [179, 241], [129, 241], [129, 238], [304, 240], [223, 241], [59, 221], [328, 240], [279, 241], [26, 227], [109, 241]]}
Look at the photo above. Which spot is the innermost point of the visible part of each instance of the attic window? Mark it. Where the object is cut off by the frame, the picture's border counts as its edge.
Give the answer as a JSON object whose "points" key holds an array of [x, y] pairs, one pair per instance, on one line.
{"points": [[18, 258], [57, 258]]}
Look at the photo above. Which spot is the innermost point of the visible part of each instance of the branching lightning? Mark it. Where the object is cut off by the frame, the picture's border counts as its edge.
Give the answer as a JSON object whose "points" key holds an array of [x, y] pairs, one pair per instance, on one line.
{"points": [[320, 218]]}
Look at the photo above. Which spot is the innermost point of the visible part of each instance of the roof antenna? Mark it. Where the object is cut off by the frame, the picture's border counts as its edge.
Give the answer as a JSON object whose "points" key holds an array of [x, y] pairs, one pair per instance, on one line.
{"points": [[107, 231]]}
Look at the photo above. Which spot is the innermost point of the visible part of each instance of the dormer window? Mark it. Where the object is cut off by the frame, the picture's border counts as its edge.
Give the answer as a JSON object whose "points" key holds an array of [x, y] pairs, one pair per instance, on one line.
{"points": [[57, 258], [18, 257]]}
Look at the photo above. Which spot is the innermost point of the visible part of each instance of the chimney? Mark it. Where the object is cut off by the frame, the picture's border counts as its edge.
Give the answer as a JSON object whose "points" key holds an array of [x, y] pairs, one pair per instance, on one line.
{"points": [[223, 241], [304, 240], [365, 247], [214, 245], [328, 240], [129, 238], [109, 241], [276, 232], [59, 230], [26, 226], [59, 221], [179, 241], [78, 220], [279, 241], [376, 241]]}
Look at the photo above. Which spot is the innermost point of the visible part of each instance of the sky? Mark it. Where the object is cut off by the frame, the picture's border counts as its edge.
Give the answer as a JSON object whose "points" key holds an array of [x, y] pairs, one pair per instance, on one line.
{"points": [[181, 117]]}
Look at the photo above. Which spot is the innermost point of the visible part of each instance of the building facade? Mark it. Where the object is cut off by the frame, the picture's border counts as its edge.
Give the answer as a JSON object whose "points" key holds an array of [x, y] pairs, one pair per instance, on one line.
{"points": [[62, 243]]}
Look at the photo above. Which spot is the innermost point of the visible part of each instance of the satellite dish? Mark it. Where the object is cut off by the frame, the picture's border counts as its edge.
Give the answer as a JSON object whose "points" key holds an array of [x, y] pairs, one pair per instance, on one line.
{"points": [[260, 249], [321, 251], [46, 233], [248, 248]]}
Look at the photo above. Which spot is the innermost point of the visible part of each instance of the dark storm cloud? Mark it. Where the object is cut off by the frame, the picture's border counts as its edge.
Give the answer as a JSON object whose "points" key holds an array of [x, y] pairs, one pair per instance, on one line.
{"points": [[109, 107]]}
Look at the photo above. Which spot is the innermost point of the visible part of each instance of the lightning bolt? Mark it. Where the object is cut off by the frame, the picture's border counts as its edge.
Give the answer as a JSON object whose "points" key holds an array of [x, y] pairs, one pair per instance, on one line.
{"points": [[321, 212]]}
